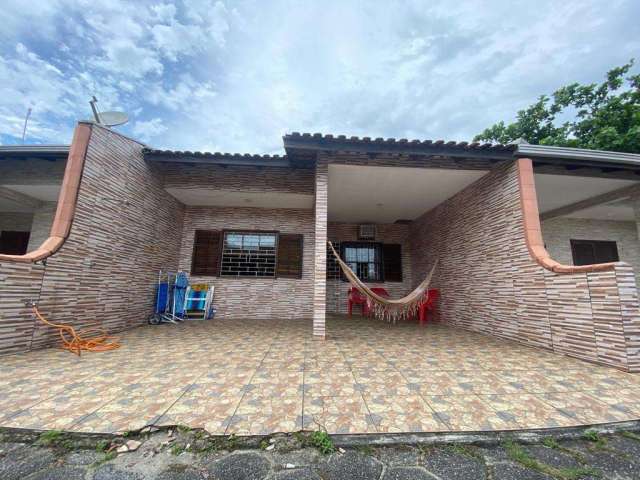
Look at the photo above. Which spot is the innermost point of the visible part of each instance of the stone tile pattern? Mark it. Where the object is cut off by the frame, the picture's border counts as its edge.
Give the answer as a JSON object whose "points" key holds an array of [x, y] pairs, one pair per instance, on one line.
{"points": [[126, 228], [337, 290], [557, 233], [321, 208], [263, 376], [490, 284], [236, 178], [255, 297]]}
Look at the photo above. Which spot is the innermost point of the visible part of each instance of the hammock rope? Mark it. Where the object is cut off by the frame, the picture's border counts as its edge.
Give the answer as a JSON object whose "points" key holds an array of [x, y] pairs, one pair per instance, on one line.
{"points": [[386, 308], [94, 339]]}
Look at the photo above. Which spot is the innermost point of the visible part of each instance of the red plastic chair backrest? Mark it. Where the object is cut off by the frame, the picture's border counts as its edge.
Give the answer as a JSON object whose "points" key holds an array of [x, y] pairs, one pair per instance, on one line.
{"points": [[380, 291], [356, 296]]}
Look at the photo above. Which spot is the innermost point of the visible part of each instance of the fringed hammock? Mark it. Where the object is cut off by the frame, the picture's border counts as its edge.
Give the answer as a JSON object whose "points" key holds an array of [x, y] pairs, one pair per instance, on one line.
{"points": [[385, 308]]}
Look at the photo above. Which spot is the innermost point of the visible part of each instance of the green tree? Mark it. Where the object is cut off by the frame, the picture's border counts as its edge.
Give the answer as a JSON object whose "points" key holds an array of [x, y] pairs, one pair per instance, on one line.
{"points": [[604, 116]]}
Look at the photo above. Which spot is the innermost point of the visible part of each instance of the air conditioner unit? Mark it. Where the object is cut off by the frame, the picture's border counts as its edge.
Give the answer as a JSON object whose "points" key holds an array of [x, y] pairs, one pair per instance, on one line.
{"points": [[367, 232]]}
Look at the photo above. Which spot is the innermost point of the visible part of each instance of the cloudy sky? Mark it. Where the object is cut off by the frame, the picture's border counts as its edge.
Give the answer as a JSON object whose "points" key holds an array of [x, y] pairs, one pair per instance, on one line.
{"points": [[235, 76]]}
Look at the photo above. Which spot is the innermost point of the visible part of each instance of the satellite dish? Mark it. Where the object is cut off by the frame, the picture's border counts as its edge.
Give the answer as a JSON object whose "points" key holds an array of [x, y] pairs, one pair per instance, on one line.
{"points": [[112, 119]]}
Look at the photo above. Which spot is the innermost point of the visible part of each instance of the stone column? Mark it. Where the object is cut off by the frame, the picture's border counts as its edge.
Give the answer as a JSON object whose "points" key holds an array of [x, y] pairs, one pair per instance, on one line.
{"points": [[320, 253]]}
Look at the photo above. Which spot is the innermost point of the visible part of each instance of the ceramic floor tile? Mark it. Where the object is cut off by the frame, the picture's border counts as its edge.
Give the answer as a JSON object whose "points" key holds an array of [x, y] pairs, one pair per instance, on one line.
{"points": [[257, 376], [343, 414], [469, 413], [587, 408]]}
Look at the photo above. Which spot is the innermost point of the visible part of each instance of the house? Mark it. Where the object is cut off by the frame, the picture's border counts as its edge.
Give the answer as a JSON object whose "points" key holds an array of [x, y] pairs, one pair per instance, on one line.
{"points": [[535, 244]]}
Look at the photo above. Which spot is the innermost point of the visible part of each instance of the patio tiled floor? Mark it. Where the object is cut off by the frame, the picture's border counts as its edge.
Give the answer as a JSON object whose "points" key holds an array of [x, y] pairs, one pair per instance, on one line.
{"points": [[255, 377]]}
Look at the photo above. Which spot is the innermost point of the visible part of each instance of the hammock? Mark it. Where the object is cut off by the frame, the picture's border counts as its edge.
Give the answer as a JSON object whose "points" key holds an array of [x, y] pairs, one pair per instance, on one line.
{"points": [[385, 308]]}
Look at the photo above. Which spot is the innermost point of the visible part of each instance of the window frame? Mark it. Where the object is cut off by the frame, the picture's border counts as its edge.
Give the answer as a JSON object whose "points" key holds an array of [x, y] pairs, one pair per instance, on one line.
{"points": [[580, 242], [224, 232], [361, 244]]}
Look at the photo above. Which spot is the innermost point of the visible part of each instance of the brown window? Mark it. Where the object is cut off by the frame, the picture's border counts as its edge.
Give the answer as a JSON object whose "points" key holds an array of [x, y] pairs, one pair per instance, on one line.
{"points": [[206, 253], [589, 252], [290, 255], [392, 255]]}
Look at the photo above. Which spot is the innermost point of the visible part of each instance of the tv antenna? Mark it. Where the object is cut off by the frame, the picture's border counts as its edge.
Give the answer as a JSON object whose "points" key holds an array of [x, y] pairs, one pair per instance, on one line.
{"points": [[24, 128], [108, 119]]}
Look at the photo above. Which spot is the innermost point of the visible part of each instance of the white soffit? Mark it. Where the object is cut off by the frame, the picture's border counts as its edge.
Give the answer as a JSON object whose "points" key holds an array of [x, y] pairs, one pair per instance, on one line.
{"points": [[232, 198], [44, 193], [7, 205], [618, 212], [555, 191], [360, 194]]}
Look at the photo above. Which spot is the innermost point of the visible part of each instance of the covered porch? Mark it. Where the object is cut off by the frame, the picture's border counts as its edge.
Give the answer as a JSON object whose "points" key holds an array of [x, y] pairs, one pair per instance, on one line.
{"points": [[265, 376]]}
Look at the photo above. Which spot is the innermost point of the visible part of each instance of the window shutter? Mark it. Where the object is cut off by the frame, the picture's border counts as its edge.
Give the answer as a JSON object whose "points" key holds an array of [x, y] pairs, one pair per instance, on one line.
{"points": [[206, 253], [289, 255], [392, 257]]}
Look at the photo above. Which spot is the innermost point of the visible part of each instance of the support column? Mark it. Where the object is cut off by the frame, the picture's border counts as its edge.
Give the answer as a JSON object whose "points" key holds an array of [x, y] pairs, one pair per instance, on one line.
{"points": [[320, 253]]}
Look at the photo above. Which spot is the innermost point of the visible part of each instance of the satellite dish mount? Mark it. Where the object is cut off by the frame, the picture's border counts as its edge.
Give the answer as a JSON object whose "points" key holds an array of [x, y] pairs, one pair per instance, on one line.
{"points": [[108, 119]]}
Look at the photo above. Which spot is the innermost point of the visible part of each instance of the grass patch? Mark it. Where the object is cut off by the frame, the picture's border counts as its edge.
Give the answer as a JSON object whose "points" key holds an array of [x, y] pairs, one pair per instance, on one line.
{"points": [[264, 443], [550, 442], [177, 449], [592, 436], [466, 450], [183, 428], [322, 441], [102, 445], [631, 435], [521, 456], [51, 437]]}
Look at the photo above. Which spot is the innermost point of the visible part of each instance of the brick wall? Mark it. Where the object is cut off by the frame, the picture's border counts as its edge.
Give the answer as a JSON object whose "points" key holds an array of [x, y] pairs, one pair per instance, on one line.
{"points": [[126, 227], [557, 233], [489, 282], [337, 290], [265, 298]]}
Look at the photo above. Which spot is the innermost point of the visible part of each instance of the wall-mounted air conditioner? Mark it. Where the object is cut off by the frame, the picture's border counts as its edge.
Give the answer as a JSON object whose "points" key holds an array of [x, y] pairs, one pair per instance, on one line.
{"points": [[367, 231]]}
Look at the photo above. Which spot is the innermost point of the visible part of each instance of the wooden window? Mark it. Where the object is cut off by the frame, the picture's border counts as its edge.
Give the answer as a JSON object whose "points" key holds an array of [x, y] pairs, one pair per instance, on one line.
{"points": [[290, 255], [392, 255], [14, 243], [589, 252], [364, 258], [249, 254], [206, 253]]}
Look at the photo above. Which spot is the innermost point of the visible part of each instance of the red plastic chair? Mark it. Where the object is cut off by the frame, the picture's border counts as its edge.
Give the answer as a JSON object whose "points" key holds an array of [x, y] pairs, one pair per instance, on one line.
{"points": [[356, 298], [428, 306]]}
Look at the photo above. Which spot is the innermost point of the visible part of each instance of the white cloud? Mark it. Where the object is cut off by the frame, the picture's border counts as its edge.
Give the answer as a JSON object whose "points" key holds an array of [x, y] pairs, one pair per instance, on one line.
{"points": [[149, 129], [202, 74]]}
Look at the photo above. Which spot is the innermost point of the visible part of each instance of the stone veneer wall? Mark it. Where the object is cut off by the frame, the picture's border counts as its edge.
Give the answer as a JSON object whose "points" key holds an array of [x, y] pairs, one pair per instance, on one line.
{"points": [[558, 232], [126, 228], [489, 282], [248, 298], [337, 290]]}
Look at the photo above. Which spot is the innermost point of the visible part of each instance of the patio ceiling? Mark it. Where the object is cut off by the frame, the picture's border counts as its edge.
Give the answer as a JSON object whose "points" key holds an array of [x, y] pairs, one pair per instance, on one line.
{"points": [[360, 194], [563, 191]]}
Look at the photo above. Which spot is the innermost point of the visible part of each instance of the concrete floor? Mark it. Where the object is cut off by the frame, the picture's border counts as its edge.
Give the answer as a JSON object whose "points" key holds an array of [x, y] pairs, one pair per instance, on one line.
{"points": [[258, 377]]}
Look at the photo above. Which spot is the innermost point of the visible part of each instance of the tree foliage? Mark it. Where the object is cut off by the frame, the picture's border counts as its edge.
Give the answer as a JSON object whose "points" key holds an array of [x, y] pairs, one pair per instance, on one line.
{"points": [[604, 116]]}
